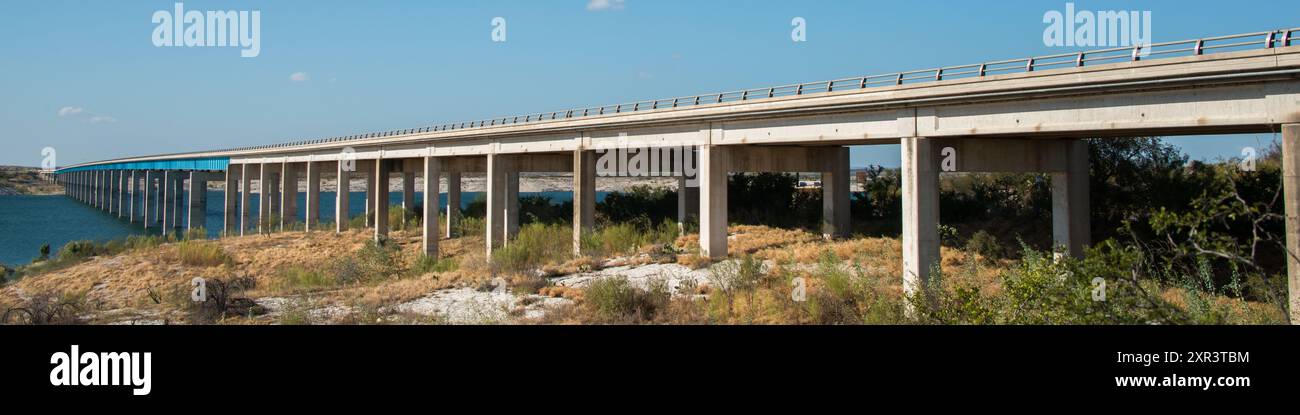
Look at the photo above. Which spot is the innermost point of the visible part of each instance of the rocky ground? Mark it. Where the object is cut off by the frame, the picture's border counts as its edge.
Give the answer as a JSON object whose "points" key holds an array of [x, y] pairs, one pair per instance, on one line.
{"points": [[16, 180]]}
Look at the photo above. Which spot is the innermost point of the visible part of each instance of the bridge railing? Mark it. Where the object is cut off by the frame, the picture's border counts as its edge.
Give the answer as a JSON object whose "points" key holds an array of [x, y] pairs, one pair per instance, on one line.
{"points": [[1256, 40]]}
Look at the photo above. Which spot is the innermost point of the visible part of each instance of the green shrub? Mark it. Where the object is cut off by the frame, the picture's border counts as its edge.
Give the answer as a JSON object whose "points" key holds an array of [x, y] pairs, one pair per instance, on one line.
{"points": [[202, 254], [428, 264], [614, 299], [536, 245]]}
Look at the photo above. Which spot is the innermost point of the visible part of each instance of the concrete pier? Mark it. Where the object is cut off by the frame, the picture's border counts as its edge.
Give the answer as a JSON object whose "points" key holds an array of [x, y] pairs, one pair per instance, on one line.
{"points": [[197, 208], [432, 170], [369, 174], [341, 204], [246, 196], [408, 192], [379, 204], [1291, 195], [149, 199], [311, 213], [1070, 202], [265, 182], [920, 181], [230, 215], [714, 164], [584, 196], [835, 196], [453, 203], [288, 196]]}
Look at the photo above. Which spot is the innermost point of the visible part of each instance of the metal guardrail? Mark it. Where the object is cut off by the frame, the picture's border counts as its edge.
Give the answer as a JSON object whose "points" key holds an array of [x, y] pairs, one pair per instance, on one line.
{"points": [[1256, 40]]}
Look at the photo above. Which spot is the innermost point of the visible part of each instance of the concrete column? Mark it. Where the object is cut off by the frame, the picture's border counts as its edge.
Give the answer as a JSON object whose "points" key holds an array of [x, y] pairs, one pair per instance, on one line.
{"points": [[99, 189], [133, 187], [408, 192], [119, 190], [714, 164], [512, 203], [835, 196], [311, 215], [230, 212], [432, 169], [168, 201], [498, 167], [198, 204], [272, 187], [370, 195], [584, 196], [453, 202], [1070, 210], [380, 204], [688, 203], [264, 196], [1291, 197], [341, 205], [148, 199], [178, 208], [920, 180], [110, 191], [288, 195], [245, 198]]}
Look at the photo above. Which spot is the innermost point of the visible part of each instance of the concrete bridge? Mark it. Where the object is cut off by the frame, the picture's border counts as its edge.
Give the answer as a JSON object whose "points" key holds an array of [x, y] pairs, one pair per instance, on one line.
{"points": [[1021, 115]]}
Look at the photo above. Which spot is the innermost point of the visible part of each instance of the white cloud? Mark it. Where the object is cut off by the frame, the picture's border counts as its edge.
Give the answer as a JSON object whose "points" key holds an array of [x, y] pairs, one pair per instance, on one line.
{"points": [[600, 5], [299, 77], [79, 113]]}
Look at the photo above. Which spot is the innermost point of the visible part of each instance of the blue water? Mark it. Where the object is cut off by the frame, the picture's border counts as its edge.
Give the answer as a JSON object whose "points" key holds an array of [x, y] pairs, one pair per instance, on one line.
{"points": [[28, 222]]}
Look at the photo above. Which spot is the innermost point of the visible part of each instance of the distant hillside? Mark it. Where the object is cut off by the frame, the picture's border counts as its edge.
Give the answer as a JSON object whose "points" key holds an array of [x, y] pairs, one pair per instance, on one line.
{"points": [[25, 181]]}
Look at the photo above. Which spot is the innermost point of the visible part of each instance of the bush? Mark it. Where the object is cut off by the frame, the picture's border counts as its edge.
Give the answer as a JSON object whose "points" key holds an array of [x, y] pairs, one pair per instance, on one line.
{"points": [[202, 254], [536, 245], [614, 299], [432, 265]]}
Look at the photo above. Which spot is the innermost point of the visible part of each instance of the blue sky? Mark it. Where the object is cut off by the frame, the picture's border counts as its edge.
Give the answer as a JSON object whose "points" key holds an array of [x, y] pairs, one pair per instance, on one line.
{"points": [[379, 65]]}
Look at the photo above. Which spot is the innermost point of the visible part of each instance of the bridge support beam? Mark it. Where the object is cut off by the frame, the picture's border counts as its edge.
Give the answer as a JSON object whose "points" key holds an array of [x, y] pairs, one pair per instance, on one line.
{"points": [[369, 174], [1070, 210], [341, 203], [197, 216], [311, 215], [715, 162], [115, 192], [408, 192], [272, 190], [230, 213], [584, 196], [380, 201], [688, 203], [122, 182], [264, 196], [835, 196], [920, 181], [132, 183], [432, 170], [1291, 195], [149, 199], [246, 197], [500, 210], [288, 196], [453, 202], [166, 210]]}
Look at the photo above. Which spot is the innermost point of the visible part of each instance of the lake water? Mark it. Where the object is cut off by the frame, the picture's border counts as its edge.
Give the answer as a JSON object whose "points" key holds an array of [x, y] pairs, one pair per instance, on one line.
{"points": [[28, 222]]}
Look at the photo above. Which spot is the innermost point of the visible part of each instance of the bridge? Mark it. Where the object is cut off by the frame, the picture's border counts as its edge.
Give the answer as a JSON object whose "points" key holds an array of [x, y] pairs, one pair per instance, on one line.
{"points": [[1019, 115]]}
